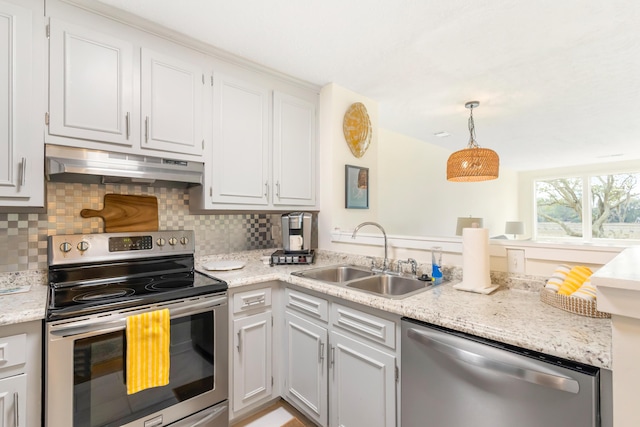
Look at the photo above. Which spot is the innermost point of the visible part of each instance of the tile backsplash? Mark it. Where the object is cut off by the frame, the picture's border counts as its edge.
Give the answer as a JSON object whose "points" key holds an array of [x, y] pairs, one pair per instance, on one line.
{"points": [[23, 236]]}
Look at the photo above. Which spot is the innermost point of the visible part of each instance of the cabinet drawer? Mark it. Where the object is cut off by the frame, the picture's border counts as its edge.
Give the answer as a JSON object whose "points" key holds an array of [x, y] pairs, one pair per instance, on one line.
{"points": [[13, 350], [249, 300], [366, 325], [314, 307]]}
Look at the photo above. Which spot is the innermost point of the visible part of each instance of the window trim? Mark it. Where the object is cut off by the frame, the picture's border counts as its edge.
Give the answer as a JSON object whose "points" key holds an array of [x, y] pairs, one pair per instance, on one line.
{"points": [[587, 206]]}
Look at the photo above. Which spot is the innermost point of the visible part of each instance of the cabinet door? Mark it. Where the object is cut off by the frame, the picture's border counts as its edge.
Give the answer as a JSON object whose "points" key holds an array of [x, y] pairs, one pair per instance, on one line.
{"points": [[306, 367], [294, 150], [13, 402], [172, 96], [91, 85], [362, 384], [240, 142], [252, 370], [21, 115]]}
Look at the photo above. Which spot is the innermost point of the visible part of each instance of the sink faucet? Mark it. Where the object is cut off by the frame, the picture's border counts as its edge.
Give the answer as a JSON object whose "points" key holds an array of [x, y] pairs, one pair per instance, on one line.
{"points": [[412, 262], [385, 263]]}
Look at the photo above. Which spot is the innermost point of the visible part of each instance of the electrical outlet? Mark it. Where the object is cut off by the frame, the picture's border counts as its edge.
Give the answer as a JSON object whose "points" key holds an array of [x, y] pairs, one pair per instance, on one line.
{"points": [[515, 261]]}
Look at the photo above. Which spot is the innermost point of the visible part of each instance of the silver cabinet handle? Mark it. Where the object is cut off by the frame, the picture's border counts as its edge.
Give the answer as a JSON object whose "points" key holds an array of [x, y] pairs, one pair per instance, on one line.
{"points": [[321, 352], [278, 189], [239, 346], [333, 356], [16, 409], [127, 120], [266, 188], [255, 301], [521, 373], [23, 171], [146, 129]]}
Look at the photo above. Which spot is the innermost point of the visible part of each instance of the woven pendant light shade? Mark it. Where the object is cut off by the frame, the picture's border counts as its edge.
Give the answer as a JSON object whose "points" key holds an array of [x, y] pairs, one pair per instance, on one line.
{"points": [[473, 163]]}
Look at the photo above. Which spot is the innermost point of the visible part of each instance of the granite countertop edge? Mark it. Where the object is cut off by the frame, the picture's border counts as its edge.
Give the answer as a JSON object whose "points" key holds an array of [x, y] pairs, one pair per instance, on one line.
{"points": [[511, 316]]}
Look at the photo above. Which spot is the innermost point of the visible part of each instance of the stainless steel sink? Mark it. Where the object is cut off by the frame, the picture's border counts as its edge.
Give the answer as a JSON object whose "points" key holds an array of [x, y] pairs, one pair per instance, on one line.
{"points": [[363, 279], [335, 273], [390, 286]]}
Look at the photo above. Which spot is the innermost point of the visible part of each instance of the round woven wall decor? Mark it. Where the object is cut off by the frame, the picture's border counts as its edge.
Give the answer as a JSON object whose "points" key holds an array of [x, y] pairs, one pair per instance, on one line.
{"points": [[357, 129]]}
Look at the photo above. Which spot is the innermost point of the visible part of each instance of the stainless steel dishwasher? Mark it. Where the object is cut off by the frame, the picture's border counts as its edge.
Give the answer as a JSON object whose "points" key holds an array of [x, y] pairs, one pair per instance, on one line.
{"points": [[451, 379]]}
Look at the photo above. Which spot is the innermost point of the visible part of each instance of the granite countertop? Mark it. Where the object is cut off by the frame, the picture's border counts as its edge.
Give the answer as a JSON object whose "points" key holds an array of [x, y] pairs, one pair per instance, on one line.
{"points": [[512, 316], [23, 296]]}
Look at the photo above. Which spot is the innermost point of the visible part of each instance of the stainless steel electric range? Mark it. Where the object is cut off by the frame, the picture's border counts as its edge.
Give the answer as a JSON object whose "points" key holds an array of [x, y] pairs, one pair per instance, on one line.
{"points": [[95, 282]]}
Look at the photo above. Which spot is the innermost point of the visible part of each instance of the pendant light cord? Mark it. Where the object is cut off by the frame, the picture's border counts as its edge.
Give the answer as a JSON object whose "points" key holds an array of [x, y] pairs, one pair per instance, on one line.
{"points": [[472, 130]]}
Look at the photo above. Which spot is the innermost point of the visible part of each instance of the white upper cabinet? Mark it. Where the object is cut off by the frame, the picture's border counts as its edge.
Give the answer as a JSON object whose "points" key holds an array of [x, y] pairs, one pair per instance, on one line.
{"points": [[21, 106], [90, 85], [241, 147], [116, 88], [294, 150], [264, 147], [171, 103]]}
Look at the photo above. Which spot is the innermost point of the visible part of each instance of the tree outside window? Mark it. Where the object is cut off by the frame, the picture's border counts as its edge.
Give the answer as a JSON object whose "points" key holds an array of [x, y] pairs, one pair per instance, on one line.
{"points": [[610, 211]]}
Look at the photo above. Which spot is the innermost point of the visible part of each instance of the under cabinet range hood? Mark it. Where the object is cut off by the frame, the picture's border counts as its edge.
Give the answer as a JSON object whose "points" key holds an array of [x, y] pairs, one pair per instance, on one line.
{"points": [[70, 164]]}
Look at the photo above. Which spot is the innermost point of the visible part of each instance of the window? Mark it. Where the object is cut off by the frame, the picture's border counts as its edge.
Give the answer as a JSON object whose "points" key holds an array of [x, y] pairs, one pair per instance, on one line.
{"points": [[595, 206]]}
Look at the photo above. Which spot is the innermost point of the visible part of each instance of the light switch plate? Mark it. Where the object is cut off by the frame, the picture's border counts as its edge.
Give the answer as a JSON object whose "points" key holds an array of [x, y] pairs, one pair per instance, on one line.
{"points": [[515, 261]]}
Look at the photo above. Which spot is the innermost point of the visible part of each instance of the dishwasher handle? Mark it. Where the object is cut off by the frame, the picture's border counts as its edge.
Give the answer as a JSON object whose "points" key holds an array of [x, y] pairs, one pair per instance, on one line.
{"points": [[557, 382]]}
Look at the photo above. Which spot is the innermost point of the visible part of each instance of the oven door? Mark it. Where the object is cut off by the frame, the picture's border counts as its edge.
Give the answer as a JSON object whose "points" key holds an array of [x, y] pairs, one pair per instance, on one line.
{"points": [[85, 359]]}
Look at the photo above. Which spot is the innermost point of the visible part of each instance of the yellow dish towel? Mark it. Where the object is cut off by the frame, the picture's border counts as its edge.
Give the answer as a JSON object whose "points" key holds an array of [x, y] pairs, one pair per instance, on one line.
{"points": [[576, 277], [148, 339]]}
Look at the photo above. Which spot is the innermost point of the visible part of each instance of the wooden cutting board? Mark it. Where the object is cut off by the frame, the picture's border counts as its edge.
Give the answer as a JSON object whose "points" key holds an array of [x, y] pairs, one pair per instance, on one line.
{"points": [[126, 213]]}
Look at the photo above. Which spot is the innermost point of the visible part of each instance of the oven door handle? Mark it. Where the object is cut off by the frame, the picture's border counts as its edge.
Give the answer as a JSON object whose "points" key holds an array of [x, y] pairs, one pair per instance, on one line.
{"points": [[120, 323]]}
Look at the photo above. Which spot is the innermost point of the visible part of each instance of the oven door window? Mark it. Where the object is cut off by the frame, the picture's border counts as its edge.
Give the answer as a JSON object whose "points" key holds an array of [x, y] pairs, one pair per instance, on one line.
{"points": [[99, 390]]}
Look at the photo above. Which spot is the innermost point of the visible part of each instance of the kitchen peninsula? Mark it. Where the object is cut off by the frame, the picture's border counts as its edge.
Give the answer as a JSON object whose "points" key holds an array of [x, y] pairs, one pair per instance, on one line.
{"points": [[512, 316]]}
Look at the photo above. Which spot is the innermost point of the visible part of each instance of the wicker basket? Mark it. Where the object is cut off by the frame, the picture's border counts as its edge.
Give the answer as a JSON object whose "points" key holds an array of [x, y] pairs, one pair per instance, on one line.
{"points": [[572, 304]]}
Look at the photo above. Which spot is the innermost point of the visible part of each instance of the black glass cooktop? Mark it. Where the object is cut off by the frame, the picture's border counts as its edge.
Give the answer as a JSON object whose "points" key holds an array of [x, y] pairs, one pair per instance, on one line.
{"points": [[92, 288]]}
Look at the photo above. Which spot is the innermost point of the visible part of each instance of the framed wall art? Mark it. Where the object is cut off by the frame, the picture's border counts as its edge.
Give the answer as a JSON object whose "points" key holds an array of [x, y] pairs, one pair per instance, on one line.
{"points": [[356, 189]]}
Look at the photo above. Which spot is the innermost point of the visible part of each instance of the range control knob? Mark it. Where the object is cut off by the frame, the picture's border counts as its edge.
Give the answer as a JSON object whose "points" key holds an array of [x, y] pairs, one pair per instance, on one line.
{"points": [[83, 246], [161, 242], [184, 240], [65, 247], [173, 241]]}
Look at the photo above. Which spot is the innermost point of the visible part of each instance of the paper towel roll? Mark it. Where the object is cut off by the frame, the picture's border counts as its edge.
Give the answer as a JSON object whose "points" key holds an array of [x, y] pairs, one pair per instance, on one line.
{"points": [[476, 273]]}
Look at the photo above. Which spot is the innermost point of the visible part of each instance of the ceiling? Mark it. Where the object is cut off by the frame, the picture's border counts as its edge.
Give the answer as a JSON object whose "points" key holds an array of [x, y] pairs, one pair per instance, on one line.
{"points": [[558, 81]]}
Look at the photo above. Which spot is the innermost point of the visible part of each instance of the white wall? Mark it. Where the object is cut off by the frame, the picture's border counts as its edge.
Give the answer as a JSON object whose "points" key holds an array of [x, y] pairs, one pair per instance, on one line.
{"points": [[334, 155], [411, 198], [415, 198]]}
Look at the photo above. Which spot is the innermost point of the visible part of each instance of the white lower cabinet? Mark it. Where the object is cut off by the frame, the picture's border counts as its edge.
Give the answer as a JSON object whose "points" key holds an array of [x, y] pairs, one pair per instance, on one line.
{"points": [[251, 348], [305, 363], [13, 400], [20, 374], [362, 384], [252, 359], [340, 363]]}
